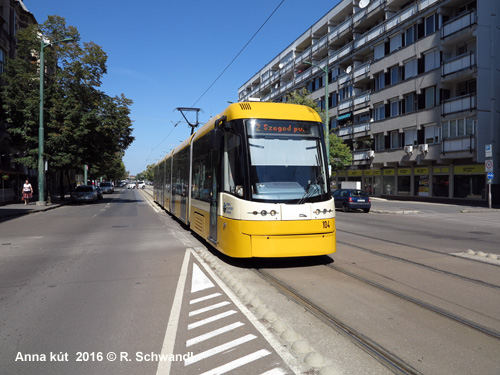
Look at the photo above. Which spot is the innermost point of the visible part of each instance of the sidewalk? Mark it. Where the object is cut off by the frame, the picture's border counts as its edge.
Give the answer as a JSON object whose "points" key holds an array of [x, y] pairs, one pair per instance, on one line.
{"points": [[19, 209]]}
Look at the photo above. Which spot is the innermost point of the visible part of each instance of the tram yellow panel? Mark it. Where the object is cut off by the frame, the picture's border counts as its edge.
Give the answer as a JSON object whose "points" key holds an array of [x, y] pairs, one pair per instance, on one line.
{"points": [[293, 227], [243, 239]]}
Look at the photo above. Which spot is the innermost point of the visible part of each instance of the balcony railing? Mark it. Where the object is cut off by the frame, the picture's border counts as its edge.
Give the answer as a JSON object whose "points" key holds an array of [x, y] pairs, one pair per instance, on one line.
{"points": [[459, 23], [459, 104], [362, 98], [459, 63], [466, 143]]}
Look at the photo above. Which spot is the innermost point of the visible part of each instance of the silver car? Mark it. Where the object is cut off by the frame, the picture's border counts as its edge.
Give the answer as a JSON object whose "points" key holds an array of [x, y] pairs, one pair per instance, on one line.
{"points": [[107, 187], [84, 193]]}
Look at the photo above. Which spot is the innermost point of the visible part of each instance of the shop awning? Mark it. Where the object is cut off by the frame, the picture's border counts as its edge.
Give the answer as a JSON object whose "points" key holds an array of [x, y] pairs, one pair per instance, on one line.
{"points": [[344, 116]]}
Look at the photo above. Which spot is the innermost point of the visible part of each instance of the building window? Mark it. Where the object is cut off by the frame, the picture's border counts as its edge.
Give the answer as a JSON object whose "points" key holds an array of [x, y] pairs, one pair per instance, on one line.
{"points": [[379, 142], [394, 75], [431, 134], [379, 81], [396, 141], [432, 61], [379, 51], [458, 127], [379, 111], [430, 97], [410, 35], [2, 60], [396, 42], [394, 105], [409, 103], [411, 137], [430, 25], [410, 68]]}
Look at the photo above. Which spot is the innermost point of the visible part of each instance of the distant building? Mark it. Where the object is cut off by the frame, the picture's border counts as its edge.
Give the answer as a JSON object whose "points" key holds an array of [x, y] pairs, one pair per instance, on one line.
{"points": [[414, 89], [13, 16]]}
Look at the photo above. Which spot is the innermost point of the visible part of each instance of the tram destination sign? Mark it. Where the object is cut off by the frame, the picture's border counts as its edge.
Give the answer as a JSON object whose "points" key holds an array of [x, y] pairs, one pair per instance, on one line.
{"points": [[279, 128]]}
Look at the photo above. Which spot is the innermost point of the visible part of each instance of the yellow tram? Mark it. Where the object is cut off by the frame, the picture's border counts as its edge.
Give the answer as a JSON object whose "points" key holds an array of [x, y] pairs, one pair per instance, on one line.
{"points": [[253, 181]]}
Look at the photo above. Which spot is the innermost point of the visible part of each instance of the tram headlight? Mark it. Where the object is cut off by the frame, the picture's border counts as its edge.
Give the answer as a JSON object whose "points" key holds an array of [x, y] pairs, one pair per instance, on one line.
{"points": [[273, 212], [263, 212], [317, 211]]}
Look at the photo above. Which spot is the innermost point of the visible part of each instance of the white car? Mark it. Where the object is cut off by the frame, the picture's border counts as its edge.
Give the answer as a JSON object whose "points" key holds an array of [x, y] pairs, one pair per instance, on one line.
{"points": [[141, 184], [131, 185]]}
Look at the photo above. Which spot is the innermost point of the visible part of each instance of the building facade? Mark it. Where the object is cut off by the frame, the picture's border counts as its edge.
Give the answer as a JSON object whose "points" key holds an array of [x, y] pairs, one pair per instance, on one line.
{"points": [[413, 90], [13, 16]]}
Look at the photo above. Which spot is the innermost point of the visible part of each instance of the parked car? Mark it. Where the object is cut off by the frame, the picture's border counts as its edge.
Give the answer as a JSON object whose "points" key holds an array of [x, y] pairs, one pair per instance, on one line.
{"points": [[84, 193], [352, 199], [141, 184], [99, 192], [107, 187]]}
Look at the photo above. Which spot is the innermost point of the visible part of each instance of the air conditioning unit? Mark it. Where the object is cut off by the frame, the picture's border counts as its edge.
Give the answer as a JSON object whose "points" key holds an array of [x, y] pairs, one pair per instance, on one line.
{"points": [[423, 148], [409, 149], [371, 154]]}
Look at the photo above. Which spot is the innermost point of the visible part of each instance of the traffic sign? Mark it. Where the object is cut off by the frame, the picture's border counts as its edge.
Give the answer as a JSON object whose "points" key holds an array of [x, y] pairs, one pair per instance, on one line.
{"points": [[488, 165], [490, 175]]}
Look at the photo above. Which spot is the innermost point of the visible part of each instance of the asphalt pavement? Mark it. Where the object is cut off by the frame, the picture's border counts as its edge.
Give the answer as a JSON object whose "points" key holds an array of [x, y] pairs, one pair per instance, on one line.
{"points": [[379, 206]]}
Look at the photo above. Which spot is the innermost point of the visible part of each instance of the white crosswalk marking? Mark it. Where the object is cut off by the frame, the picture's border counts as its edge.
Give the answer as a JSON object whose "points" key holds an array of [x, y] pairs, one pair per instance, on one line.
{"points": [[238, 362], [201, 299], [209, 308], [212, 334], [218, 349], [211, 319]]}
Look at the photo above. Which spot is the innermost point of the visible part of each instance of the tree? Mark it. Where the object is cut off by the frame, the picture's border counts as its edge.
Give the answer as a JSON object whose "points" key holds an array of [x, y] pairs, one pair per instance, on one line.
{"points": [[340, 153], [83, 125]]}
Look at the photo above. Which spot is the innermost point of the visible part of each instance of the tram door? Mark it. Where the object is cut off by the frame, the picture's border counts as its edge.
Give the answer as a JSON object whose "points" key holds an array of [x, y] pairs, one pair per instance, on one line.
{"points": [[214, 155]]}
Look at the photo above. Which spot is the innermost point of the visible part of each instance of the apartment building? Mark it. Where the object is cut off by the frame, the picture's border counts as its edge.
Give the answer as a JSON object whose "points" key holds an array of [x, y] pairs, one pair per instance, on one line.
{"points": [[413, 90], [13, 16]]}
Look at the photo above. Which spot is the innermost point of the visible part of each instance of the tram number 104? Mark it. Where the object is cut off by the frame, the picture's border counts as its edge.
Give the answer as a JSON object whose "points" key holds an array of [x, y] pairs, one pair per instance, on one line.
{"points": [[326, 224]]}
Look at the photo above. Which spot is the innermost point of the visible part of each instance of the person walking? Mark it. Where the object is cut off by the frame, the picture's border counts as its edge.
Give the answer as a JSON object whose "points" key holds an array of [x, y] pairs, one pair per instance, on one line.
{"points": [[27, 192]]}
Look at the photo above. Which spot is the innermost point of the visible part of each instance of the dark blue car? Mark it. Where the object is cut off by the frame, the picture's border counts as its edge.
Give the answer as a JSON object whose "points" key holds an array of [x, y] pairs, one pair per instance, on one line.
{"points": [[352, 199]]}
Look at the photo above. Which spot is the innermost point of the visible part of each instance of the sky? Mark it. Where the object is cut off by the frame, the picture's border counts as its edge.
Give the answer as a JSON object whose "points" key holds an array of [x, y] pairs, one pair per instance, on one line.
{"points": [[166, 54]]}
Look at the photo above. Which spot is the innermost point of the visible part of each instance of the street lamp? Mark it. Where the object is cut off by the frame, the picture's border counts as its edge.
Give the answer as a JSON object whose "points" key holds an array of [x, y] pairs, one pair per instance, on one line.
{"points": [[41, 167], [327, 116]]}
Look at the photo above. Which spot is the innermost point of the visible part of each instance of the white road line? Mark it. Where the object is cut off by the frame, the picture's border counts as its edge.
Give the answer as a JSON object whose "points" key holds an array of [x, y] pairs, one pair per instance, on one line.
{"points": [[275, 371], [213, 333], [173, 321], [218, 349], [238, 363], [201, 299], [200, 280], [287, 357], [211, 319], [209, 308]]}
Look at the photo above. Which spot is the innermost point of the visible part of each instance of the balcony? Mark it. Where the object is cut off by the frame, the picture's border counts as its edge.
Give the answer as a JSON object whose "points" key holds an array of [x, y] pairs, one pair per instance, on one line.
{"points": [[460, 23], [362, 155], [361, 72], [461, 144], [459, 104], [362, 99], [459, 63]]}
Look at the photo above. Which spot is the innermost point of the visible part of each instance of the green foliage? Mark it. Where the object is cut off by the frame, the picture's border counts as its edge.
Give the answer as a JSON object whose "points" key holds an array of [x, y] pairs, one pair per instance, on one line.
{"points": [[82, 124], [340, 153]]}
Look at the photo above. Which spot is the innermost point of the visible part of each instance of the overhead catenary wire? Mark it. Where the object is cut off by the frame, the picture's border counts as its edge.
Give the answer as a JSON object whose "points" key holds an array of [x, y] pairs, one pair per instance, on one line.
{"points": [[239, 53]]}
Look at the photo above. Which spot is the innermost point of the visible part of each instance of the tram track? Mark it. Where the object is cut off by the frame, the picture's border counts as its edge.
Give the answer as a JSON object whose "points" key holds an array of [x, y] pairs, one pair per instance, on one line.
{"points": [[379, 350], [387, 358], [418, 264]]}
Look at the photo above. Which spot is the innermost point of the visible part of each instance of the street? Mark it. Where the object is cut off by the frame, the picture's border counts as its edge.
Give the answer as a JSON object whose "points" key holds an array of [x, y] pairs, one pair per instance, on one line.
{"points": [[119, 287]]}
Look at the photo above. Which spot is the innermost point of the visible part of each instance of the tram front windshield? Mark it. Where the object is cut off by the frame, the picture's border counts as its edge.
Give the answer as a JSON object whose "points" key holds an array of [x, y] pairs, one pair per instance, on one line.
{"points": [[286, 161]]}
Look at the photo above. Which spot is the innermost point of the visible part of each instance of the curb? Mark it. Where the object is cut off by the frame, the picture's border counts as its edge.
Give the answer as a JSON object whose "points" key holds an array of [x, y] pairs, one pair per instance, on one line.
{"points": [[298, 347]]}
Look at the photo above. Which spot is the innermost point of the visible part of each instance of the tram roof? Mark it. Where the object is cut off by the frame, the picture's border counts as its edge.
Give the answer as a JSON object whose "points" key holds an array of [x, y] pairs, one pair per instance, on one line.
{"points": [[263, 110]]}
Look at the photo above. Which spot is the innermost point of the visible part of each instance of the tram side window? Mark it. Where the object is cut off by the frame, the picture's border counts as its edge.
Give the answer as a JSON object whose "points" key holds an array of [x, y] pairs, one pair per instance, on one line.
{"points": [[202, 166], [233, 173]]}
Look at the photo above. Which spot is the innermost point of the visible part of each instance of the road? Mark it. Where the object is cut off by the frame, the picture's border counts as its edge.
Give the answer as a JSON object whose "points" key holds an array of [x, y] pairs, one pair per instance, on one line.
{"points": [[81, 283]]}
